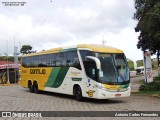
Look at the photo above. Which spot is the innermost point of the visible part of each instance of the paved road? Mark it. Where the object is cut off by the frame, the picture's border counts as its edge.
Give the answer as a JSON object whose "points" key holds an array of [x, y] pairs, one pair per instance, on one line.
{"points": [[17, 98]]}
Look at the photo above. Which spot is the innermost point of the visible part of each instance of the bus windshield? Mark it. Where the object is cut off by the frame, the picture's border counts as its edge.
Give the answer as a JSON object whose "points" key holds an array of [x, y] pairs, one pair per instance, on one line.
{"points": [[114, 68], [107, 67]]}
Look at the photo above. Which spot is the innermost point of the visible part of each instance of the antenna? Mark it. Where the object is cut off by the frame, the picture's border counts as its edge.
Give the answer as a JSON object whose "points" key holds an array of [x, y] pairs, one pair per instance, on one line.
{"points": [[103, 41]]}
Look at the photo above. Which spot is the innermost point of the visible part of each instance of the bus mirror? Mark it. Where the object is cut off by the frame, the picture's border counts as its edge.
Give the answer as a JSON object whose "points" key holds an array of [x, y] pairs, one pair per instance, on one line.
{"points": [[100, 73], [98, 64]]}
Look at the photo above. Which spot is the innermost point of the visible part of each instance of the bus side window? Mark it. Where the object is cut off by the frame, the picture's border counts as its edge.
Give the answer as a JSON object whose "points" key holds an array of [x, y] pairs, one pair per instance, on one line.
{"points": [[42, 61], [24, 61], [51, 60], [34, 61], [90, 68], [72, 59], [85, 53], [60, 60], [28, 61]]}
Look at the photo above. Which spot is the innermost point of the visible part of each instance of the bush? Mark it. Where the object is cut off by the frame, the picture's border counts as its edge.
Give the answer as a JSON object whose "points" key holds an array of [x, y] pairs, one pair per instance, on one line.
{"points": [[152, 86], [156, 78], [131, 66]]}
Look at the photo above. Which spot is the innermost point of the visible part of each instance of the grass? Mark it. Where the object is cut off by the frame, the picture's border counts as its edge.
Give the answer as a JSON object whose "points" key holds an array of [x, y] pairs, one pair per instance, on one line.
{"points": [[141, 81], [149, 93], [156, 78]]}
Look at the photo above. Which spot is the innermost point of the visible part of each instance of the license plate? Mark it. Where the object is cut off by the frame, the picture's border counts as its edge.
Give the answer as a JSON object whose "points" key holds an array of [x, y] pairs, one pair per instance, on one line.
{"points": [[117, 95]]}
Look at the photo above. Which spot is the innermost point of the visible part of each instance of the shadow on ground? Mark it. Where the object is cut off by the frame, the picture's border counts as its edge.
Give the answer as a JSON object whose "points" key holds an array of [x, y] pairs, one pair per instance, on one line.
{"points": [[85, 100]]}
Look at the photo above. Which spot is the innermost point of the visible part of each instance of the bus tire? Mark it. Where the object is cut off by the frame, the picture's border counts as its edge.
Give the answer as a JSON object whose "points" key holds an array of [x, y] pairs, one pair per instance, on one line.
{"points": [[35, 87], [78, 93], [30, 86]]}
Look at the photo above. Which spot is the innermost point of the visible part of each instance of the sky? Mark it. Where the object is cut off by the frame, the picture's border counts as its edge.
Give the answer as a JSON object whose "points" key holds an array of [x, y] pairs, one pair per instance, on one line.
{"points": [[46, 24]]}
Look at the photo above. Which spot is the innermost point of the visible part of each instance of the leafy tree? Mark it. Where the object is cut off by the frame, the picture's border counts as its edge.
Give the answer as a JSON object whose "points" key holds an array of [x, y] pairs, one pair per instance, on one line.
{"points": [[26, 49], [148, 16], [131, 66]]}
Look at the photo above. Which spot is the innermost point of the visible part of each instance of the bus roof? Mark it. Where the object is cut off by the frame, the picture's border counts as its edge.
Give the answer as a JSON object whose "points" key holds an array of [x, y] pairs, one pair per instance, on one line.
{"points": [[92, 47], [100, 48]]}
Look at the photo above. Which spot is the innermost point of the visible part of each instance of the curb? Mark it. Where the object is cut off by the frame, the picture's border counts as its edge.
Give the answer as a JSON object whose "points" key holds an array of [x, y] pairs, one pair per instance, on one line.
{"points": [[8, 84], [136, 76]]}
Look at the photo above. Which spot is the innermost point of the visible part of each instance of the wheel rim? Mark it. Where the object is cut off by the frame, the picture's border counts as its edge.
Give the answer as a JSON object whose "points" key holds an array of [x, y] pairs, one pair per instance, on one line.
{"points": [[30, 87], [78, 94], [35, 88]]}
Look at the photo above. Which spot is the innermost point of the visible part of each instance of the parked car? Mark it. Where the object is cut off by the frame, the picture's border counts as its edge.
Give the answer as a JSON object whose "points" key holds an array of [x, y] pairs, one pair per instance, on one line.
{"points": [[140, 70]]}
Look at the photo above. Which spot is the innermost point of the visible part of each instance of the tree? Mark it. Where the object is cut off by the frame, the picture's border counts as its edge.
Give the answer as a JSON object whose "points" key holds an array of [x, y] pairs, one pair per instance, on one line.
{"points": [[26, 49], [148, 16]]}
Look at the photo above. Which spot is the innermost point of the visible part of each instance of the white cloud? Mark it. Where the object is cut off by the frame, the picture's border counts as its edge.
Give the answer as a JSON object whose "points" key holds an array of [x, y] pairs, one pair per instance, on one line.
{"points": [[44, 24]]}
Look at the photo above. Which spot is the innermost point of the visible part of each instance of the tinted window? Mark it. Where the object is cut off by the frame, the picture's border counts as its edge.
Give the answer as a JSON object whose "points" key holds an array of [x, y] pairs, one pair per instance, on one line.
{"points": [[60, 59], [34, 61], [69, 59], [26, 61], [51, 59], [72, 59], [89, 65], [90, 68], [42, 60], [85, 53]]}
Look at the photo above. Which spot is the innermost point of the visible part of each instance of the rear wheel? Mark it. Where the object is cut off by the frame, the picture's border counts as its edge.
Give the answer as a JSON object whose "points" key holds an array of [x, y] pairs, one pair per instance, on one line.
{"points": [[35, 87], [78, 93], [30, 86]]}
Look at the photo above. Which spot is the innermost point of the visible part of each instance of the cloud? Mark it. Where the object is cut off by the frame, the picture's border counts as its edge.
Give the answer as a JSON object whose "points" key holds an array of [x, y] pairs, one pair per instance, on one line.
{"points": [[104, 16], [44, 24], [24, 30]]}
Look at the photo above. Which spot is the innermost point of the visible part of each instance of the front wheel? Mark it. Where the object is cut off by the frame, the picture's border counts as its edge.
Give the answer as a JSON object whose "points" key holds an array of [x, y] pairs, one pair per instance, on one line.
{"points": [[78, 93]]}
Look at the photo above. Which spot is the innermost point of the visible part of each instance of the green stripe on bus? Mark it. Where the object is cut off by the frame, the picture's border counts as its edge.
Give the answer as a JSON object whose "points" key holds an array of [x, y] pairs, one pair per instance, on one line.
{"points": [[124, 86], [53, 76], [60, 77]]}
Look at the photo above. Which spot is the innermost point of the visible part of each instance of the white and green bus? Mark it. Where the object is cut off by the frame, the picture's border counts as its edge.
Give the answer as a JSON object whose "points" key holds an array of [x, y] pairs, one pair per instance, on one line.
{"points": [[93, 71]]}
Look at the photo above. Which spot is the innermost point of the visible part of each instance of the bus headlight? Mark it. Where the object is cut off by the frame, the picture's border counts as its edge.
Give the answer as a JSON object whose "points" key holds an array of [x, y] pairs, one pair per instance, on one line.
{"points": [[100, 86]]}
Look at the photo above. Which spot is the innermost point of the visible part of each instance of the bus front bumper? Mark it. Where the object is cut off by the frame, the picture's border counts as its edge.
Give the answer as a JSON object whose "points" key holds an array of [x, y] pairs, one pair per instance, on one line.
{"points": [[104, 94]]}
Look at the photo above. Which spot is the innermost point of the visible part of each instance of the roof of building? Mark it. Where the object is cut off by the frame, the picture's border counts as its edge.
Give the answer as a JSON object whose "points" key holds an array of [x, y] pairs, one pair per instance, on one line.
{"points": [[5, 62]]}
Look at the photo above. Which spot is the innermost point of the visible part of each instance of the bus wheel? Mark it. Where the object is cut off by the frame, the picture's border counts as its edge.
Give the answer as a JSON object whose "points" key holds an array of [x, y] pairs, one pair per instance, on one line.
{"points": [[30, 86], [78, 93], [35, 87]]}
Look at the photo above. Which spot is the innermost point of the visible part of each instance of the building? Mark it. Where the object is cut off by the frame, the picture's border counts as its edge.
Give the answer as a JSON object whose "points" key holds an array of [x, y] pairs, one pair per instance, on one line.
{"points": [[11, 65], [13, 70]]}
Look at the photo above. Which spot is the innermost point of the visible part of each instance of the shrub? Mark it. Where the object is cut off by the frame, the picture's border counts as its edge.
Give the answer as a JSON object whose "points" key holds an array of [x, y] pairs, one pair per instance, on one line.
{"points": [[156, 78], [152, 86]]}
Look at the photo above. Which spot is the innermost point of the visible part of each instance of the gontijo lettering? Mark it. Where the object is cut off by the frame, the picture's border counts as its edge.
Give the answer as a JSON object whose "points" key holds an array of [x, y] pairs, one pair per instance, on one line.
{"points": [[37, 71]]}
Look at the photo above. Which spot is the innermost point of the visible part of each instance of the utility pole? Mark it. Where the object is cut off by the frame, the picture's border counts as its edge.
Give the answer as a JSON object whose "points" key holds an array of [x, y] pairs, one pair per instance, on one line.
{"points": [[15, 59], [147, 66], [8, 82]]}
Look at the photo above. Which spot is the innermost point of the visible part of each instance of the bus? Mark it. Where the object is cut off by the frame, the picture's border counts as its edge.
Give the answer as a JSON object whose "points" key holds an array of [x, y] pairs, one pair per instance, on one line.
{"points": [[84, 70]]}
